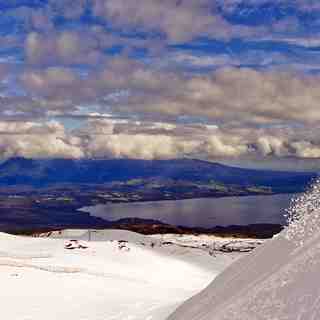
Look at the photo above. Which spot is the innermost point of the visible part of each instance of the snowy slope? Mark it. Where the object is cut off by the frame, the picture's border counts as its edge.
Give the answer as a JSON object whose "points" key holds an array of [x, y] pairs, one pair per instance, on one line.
{"points": [[40, 279], [278, 281]]}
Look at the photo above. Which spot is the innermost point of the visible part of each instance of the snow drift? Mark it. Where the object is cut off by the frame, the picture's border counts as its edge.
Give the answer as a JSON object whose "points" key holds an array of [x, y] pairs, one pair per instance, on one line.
{"points": [[278, 281]]}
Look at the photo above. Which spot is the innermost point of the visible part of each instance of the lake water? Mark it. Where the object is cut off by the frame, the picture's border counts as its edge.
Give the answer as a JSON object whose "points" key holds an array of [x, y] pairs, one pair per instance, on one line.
{"points": [[204, 213]]}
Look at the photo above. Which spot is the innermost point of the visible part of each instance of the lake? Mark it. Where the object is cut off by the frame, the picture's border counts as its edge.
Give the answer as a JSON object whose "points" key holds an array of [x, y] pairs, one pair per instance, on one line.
{"points": [[206, 213]]}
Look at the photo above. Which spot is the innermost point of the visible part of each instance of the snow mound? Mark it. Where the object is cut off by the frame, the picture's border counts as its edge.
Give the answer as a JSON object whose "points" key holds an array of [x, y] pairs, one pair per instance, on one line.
{"points": [[100, 235], [278, 281]]}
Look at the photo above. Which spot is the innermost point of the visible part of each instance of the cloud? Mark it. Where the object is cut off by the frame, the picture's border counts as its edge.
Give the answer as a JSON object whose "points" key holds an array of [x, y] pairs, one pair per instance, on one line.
{"points": [[69, 9], [4, 71], [154, 140], [136, 146], [31, 146], [66, 47], [185, 20], [226, 95], [173, 21], [271, 145], [177, 21], [111, 138], [36, 140], [301, 5], [156, 65], [29, 128]]}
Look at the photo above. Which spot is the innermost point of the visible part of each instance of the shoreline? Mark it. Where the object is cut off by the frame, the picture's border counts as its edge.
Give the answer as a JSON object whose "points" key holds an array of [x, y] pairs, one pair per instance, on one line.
{"points": [[36, 213]]}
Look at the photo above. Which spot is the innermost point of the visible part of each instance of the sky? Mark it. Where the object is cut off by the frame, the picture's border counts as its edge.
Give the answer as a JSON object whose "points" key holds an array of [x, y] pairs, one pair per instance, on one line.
{"points": [[222, 80]]}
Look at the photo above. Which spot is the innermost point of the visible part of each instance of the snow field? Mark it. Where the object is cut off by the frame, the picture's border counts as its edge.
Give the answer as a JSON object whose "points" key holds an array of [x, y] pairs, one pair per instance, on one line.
{"points": [[43, 280]]}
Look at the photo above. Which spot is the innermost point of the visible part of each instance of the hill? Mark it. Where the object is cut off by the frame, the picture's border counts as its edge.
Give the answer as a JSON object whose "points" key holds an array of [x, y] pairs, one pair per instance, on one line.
{"points": [[41, 173]]}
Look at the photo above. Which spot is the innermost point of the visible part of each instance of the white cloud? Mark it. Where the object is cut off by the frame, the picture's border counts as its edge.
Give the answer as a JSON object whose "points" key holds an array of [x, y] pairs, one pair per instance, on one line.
{"points": [[111, 138], [228, 95], [66, 47], [37, 140]]}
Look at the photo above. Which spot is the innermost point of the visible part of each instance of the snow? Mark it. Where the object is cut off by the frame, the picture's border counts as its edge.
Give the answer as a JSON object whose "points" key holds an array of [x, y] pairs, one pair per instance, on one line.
{"points": [[278, 281], [210, 241], [143, 280]]}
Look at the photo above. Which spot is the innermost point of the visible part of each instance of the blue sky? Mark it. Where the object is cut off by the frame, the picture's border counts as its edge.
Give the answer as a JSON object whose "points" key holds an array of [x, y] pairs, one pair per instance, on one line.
{"points": [[230, 80]]}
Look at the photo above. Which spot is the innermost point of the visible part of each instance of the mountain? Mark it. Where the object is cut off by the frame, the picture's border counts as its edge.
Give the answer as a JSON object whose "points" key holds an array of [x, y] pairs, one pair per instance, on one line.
{"points": [[39, 173]]}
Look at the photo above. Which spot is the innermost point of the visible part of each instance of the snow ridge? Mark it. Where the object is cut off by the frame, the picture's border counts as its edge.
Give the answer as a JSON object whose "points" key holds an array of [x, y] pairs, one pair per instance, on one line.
{"points": [[303, 216], [278, 281]]}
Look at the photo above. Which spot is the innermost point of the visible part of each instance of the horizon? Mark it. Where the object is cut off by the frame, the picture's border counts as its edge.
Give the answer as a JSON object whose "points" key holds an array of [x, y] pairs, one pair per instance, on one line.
{"points": [[247, 166]]}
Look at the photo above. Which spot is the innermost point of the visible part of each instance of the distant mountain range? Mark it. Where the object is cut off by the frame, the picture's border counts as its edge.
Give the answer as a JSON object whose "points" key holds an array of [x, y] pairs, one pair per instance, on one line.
{"points": [[43, 173], [46, 194]]}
